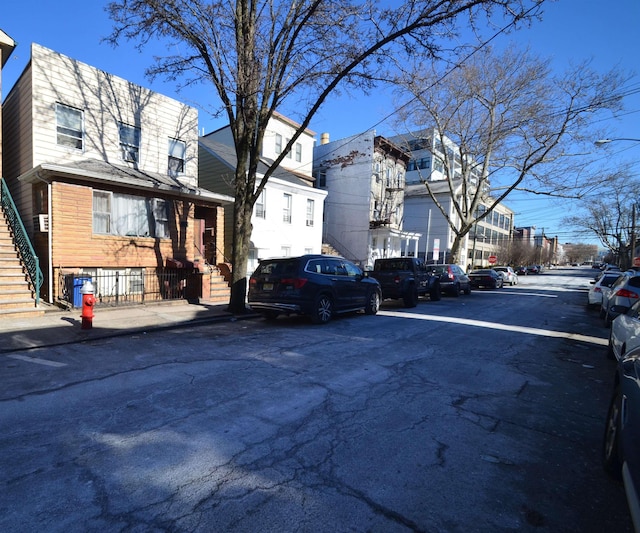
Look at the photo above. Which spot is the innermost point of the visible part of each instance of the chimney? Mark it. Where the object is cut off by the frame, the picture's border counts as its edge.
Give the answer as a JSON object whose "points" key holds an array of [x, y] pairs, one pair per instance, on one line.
{"points": [[324, 138]]}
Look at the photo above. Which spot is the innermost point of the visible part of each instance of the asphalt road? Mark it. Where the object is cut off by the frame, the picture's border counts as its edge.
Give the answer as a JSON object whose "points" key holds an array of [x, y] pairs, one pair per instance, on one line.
{"points": [[478, 413]]}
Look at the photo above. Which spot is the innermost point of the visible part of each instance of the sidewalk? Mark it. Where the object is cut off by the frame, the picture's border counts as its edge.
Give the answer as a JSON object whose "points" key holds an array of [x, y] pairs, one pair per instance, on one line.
{"points": [[59, 326]]}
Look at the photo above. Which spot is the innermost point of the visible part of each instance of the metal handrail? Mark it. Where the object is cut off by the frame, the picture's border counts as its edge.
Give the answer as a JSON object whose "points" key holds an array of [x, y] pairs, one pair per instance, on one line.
{"points": [[21, 239]]}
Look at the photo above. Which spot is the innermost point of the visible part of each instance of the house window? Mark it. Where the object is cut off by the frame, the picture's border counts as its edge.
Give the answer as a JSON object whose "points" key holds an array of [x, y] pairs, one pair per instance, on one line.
{"points": [[278, 143], [130, 143], [285, 251], [177, 150], [101, 212], [298, 152], [128, 215], [286, 141], [260, 205], [286, 208], [69, 126], [310, 209], [321, 178]]}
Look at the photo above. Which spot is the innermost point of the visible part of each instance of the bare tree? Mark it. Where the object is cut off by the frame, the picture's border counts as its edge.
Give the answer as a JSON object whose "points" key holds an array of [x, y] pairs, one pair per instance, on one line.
{"points": [[507, 124], [610, 214], [260, 54]]}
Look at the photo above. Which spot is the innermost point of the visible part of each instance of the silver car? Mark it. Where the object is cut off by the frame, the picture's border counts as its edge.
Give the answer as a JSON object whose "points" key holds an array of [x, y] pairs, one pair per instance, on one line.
{"points": [[599, 285], [624, 292], [625, 332], [508, 274]]}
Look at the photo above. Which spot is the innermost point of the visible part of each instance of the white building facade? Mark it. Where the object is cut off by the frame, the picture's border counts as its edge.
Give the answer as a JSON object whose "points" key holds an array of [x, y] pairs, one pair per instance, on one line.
{"points": [[287, 218], [434, 160], [365, 177]]}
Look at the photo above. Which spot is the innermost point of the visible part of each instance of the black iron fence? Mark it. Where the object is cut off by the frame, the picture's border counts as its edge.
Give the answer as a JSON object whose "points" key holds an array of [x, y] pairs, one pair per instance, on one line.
{"points": [[129, 286]]}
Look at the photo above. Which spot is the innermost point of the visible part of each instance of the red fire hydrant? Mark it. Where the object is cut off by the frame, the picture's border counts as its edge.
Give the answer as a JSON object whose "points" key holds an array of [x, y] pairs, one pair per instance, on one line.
{"points": [[88, 301]]}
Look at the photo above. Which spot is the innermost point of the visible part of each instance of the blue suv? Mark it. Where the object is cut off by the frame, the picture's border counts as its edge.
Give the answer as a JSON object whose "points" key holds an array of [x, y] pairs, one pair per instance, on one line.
{"points": [[318, 286]]}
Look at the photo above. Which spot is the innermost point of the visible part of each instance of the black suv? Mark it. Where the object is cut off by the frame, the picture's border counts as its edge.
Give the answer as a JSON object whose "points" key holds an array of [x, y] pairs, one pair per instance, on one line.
{"points": [[315, 285]]}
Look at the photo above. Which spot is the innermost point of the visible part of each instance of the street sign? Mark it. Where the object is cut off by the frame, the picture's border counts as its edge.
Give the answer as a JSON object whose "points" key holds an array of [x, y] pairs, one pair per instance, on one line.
{"points": [[493, 259]]}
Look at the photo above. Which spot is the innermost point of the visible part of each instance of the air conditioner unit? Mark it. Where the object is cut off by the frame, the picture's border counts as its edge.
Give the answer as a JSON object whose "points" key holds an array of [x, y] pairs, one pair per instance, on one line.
{"points": [[43, 222]]}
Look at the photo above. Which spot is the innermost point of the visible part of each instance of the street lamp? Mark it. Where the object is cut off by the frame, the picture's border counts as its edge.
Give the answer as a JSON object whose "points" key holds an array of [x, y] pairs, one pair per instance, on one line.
{"points": [[601, 142]]}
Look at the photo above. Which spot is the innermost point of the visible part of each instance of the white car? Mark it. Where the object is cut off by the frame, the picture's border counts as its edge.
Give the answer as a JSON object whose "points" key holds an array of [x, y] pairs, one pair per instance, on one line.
{"points": [[625, 332], [599, 285], [508, 274]]}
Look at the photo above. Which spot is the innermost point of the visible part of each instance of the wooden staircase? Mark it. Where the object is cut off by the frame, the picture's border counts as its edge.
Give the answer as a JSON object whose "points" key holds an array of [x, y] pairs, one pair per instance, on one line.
{"points": [[17, 298], [220, 291]]}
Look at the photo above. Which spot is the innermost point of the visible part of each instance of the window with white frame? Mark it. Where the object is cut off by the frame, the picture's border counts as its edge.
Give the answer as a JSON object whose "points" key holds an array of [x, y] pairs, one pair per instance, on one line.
{"points": [[101, 212], [177, 151], [129, 215], [298, 152], [286, 141], [310, 211], [285, 251], [286, 208], [69, 126], [129, 143], [260, 205], [278, 143]]}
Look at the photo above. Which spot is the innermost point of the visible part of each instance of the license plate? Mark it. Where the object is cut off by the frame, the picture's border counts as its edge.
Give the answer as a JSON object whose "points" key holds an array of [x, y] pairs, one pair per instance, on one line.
{"points": [[267, 286]]}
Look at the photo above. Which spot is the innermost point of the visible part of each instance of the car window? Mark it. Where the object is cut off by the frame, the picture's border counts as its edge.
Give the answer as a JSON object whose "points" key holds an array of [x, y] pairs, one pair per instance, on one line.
{"points": [[278, 268], [634, 281], [352, 270]]}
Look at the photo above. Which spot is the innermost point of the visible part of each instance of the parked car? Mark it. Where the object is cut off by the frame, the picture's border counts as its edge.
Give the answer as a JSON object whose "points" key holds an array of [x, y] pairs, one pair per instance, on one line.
{"points": [[604, 281], [521, 270], [508, 274], [533, 269], [453, 279], [625, 332], [319, 286], [486, 279], [624, 292], [621, 442], [405, 278]]}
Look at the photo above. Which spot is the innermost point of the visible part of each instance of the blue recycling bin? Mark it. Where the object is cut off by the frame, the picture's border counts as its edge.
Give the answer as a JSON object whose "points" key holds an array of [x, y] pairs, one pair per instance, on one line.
{"points": [[74, 290]]}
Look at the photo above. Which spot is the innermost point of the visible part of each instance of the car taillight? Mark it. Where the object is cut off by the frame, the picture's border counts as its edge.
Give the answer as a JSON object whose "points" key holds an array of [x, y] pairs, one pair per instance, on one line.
{"points": [[396, 279], [626, 293], [297, 283], [252, 282], [597, 289]]}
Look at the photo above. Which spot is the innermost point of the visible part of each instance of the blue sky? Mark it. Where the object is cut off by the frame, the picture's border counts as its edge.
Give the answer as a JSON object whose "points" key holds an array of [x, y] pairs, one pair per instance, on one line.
{"points": [[571, 31]]}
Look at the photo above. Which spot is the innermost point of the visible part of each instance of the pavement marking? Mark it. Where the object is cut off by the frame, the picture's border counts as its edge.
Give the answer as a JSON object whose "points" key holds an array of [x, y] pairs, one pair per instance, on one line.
{"points": [[37, 360], [504, 327]]}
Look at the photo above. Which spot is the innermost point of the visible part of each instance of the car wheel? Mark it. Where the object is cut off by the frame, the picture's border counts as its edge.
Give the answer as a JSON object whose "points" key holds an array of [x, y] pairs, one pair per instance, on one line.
{"points": [[373, 303], [322, 310], [411, 297], [435, 295], [468, 289], [602, 312], [456, 290], [611, 460]]}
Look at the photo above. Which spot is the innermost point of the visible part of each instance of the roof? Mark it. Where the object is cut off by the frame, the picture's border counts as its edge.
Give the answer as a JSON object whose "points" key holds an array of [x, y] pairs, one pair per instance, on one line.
{"points": [[7, 44], [108, 174], [227, 154]]}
